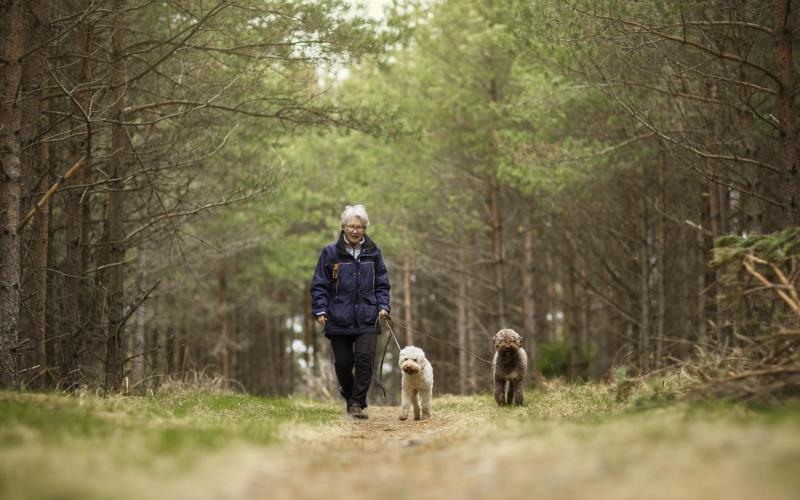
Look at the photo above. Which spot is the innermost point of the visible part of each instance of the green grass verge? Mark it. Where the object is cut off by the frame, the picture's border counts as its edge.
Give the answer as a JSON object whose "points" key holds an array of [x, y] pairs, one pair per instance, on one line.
{"points": [[85, 446], [172, 423]]}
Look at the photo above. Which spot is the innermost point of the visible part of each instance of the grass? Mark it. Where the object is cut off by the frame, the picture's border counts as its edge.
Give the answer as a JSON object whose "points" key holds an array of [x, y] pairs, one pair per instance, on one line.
{"points": [[173, 423], [188, 444], [51, 443]]}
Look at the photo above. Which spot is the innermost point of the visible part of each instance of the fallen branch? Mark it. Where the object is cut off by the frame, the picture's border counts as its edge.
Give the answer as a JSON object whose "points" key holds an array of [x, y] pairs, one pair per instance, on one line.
{"points": [[50, 192]]}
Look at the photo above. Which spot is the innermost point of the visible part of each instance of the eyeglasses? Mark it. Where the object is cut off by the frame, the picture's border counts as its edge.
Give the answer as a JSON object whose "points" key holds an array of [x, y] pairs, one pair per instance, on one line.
{"points": [[352, 227]]}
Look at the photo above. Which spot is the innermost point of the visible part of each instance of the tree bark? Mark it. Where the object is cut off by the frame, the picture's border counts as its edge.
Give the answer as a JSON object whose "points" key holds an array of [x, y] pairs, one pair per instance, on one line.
{"points": [[662, 258], [496, 225], [73, 329], [152, 349], [572, 319], [224, 320], [407, 304], [472, 341], [41, 168], [787, 111], [311, 352], [139, 346], [708, 303], [644, 281], [461, 317], [528, 305], [10, 195], [114, 222]]}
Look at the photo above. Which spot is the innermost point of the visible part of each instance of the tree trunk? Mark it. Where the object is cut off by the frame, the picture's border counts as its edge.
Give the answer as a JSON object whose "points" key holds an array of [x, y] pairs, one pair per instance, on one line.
{"points": [[93, 354], [644, 281], [114, 222], [606, 344], [472, 341], [572, 320], [787, 110], [287, 356], [73, 329], [461, 317], [41, 169], [152, 350], [724, 200], [541, 296], [139, 347], [224, 338], [271, 373], [169, 361], [528, 306], [407, 304], [10, 195], [496, 224], [662, 259], [688, 292], [311, 352], [552, 300]]}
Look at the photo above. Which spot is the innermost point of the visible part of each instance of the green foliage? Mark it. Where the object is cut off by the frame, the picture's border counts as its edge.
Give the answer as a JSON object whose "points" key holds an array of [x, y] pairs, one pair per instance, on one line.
{"points": [[755, 308], [553, 359], [777, 248]]}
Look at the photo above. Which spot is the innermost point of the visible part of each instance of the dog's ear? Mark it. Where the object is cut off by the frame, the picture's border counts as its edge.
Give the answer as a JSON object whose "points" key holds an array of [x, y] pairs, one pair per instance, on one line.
{"points": [[521, 341]]}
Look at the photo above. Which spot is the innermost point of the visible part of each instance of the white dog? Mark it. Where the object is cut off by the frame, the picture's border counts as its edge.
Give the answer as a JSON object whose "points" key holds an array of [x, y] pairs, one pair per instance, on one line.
{"points": [[417, 383]]}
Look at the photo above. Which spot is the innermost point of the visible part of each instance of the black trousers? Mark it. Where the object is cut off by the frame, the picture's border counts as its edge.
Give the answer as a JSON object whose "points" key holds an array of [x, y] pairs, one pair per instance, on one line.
{"points": [[352, 359]]}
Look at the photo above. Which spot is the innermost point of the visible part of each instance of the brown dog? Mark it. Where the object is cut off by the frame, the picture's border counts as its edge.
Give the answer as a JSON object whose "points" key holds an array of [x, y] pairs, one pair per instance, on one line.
{"points": [[509, 367]]}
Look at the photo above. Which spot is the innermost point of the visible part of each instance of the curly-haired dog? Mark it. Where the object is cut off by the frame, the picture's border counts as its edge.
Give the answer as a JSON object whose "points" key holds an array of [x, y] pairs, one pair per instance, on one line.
{"points": [[417, 383], [509, 367]]}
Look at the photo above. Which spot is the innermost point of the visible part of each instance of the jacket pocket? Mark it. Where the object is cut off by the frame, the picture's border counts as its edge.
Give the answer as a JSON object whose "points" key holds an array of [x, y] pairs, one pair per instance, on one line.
{"points": [[340, 312], [368, 311]]}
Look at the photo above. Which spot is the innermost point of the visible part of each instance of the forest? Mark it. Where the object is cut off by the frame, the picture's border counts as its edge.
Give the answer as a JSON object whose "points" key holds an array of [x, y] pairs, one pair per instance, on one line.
{"points": [[617, 181]]}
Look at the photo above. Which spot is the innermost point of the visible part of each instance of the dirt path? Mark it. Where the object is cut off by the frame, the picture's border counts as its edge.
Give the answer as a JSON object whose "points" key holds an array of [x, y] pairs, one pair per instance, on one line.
{"points": [[362, 459], [469, 456]]}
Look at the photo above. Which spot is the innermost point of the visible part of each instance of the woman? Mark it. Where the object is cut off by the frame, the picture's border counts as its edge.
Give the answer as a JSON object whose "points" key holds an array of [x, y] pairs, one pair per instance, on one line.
{"points": [[349, 291]]}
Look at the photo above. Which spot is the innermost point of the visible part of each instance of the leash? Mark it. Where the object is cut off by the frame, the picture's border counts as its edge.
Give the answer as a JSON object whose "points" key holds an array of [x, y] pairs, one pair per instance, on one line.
{"points": [[443, 342], [378, 377]]}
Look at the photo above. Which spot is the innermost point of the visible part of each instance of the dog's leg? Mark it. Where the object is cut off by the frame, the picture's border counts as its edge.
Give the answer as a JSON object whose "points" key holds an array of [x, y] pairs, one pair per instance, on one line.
{"points": [[426, 396], [405, 402], [499, 390], [415, 403], [519, 393], [510, 393]]}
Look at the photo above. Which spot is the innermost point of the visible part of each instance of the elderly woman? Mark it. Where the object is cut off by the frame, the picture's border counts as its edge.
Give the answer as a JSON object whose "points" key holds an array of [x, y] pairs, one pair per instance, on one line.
{"points": [[349, 291]]}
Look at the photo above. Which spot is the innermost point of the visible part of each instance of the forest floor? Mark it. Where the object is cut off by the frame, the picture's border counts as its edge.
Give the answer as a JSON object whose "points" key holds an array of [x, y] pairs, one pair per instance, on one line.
{"points": [[567, 442]]}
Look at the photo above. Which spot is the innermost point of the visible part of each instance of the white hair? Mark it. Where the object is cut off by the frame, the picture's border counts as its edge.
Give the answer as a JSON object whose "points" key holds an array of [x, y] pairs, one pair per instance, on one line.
{"points": [[355, 211]]}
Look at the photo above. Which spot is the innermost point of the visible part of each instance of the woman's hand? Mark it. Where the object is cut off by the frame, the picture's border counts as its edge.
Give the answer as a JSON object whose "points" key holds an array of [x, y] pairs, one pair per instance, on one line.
{"points": [[383, 314], [322, 319]]}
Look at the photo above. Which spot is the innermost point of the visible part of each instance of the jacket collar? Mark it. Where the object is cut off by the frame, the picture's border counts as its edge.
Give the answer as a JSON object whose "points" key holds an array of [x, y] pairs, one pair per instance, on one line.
{"points": [[366, 248]]}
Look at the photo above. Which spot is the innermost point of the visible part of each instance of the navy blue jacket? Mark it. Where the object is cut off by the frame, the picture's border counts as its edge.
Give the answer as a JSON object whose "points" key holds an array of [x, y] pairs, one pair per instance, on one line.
{"points": [[350, 291]]}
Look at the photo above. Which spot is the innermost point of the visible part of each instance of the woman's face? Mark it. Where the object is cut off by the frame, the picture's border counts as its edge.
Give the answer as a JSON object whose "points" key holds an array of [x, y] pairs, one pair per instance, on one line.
{"points": [[353, 230]]}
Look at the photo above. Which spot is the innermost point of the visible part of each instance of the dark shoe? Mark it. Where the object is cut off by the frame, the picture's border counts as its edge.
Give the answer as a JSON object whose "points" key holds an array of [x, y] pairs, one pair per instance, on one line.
{"points": [[357, 413]]}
